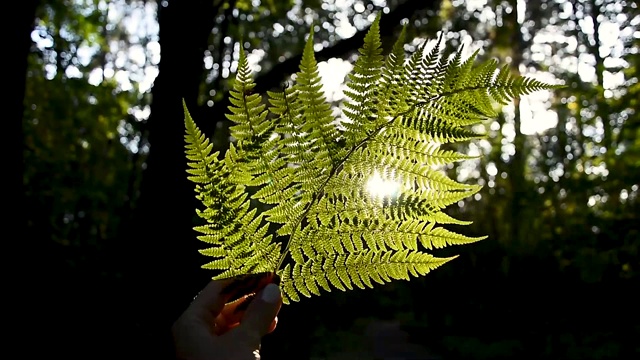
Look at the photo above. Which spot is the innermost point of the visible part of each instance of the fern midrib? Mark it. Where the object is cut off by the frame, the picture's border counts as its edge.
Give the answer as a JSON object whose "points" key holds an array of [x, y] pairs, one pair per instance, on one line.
{"points": [[411, 170], [337, 168], [434, 153], [363, 230], [372, 205], [403, 261]]}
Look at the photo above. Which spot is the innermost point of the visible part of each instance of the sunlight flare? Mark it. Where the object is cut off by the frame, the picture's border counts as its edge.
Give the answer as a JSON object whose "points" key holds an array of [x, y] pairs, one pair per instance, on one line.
{"points": [[380, 187]]}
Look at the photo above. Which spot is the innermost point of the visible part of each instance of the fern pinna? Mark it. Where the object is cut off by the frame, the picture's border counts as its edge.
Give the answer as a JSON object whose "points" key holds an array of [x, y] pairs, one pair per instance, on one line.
{"points": [[324, 227]]}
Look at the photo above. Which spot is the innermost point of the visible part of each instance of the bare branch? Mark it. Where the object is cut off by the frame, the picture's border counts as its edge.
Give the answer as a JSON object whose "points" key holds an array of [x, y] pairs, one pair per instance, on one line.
{"points": [[344, 48], [274, 77]]}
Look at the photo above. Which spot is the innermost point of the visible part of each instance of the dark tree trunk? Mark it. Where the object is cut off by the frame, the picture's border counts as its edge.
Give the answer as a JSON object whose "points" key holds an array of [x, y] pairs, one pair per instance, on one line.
{"points": [[162, 256], [25, 289], [521, 198], [19, 45]]}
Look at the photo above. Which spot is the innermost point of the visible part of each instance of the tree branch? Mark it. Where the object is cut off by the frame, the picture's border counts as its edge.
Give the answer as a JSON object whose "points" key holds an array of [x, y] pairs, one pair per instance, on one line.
{"points": [[342, 49]]}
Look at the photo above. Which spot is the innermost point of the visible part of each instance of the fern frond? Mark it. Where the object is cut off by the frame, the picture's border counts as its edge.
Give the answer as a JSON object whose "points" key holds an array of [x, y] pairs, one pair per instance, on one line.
{"points": [[422, 152], [400, 145], [316, 117], [354, 204], [314, 133], [348, 235], [360, 269], [360, 108], [392, 91], [261, 162], [238, 246]]}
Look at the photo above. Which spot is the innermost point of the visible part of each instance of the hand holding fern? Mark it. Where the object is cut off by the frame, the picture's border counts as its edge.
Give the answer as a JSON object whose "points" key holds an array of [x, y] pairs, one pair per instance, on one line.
{"points": [[213, 328]]}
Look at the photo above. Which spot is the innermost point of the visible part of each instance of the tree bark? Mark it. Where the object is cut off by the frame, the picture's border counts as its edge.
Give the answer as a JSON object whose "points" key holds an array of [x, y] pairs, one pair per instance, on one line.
{"points": [[17, 63], [25, 291], [162, 253], [517, 166]]}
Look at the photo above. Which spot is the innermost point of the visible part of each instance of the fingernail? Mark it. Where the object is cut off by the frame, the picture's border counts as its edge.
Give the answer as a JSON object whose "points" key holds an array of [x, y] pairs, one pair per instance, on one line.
{"points": [[271, 294]]}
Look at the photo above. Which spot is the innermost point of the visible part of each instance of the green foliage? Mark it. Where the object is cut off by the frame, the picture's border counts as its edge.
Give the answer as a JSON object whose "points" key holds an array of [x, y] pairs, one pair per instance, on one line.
{"points": [[83, 145], [327, 225]]}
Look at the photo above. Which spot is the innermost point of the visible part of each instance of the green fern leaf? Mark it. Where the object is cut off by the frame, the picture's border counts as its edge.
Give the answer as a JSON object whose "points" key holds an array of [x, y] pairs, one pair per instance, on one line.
{"points": [[359, 269], [366, 72], [354, 204]]}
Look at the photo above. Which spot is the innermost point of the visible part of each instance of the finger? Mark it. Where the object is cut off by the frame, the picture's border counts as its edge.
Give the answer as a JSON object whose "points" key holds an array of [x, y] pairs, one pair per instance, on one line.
{"points": [[212, 299], [231, 314], [260, 314], [248, 284], [273, 325], [209, 302], [222, 326], [234, 312]]}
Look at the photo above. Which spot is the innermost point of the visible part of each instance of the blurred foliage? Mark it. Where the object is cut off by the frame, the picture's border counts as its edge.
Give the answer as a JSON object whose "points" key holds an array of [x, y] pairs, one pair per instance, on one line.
{"points": [[556, 277], [79, 178]]}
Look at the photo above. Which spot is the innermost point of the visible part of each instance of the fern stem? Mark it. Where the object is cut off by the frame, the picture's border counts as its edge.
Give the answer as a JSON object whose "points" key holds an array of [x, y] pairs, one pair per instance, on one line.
{"points": [[302, 216]]}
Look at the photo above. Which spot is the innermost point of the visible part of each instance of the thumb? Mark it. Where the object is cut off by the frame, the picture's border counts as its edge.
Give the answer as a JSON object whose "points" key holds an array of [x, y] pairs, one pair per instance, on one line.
{"points": [[261, 313]]}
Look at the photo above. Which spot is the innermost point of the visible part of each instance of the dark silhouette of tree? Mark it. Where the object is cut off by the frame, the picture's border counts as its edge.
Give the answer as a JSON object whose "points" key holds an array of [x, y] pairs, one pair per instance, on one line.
{"points": [[160, 249]]}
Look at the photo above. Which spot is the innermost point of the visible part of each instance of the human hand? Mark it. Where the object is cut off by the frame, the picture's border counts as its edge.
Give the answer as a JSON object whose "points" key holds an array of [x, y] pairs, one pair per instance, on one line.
{"points": [[213, 328]]}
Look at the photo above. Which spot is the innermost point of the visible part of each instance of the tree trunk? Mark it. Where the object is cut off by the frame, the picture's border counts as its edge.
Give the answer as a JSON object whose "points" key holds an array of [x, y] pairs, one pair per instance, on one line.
{"points": [[162, 256], [517, 165], [20, 42], [25, 291]]}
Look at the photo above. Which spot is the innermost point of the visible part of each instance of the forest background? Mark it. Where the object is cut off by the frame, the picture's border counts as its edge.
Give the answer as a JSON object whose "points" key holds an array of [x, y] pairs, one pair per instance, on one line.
{"points": [[109, 213]]}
